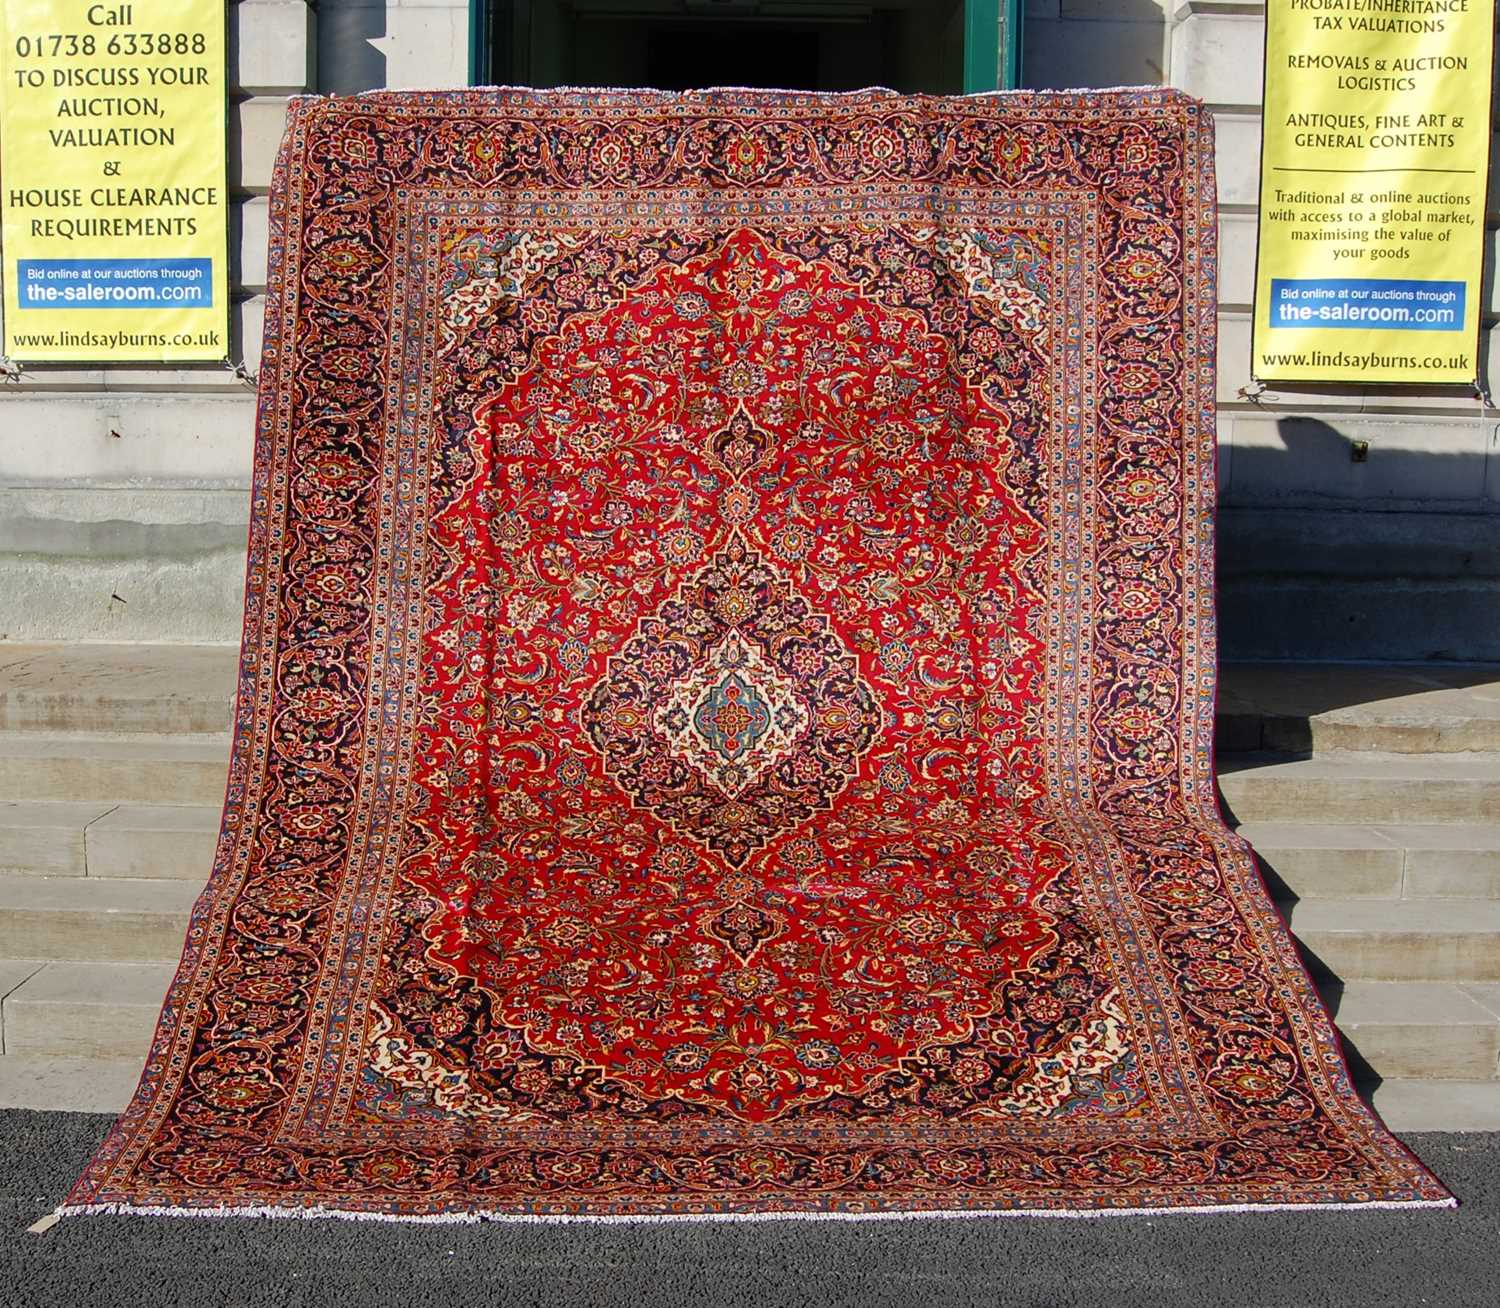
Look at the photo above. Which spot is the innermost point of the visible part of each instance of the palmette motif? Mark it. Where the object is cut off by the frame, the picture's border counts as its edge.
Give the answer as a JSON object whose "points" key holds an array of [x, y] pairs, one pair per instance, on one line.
{"points": [[727, 685]]}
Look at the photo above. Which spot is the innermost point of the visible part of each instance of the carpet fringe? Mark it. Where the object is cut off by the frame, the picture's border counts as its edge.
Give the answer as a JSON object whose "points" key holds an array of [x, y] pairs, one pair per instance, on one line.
{"points": [[1130, 88], [474, 1218]]}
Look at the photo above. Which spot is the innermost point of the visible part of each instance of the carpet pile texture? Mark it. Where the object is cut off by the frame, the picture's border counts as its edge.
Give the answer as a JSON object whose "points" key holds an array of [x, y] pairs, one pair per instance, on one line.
{"points": [[727, 688]]}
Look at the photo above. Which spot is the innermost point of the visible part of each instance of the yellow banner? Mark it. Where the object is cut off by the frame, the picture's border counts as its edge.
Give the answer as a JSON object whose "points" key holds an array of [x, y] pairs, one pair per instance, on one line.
{"points": [[1372, 190], [112, 178]]}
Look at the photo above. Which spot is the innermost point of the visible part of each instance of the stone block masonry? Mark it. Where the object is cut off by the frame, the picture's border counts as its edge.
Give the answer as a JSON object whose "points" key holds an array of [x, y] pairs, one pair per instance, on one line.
{"points": [[123, 489]]}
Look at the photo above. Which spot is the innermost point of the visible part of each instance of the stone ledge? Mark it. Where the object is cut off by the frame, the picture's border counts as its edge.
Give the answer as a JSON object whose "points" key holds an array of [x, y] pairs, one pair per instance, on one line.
{"points": [[1298, 460], [75, 441]]}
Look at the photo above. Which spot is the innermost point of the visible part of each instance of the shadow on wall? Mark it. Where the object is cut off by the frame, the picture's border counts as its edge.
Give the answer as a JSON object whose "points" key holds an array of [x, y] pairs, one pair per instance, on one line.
{"points": [[1076, 43], [1391, 555], [349, 55], [1394, 558], [1317, 464]]}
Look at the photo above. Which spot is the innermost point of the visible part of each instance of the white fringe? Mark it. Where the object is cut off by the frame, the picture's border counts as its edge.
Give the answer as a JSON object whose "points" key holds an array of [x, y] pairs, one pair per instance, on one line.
{"points": [[474, 1217], [1016, 92]]}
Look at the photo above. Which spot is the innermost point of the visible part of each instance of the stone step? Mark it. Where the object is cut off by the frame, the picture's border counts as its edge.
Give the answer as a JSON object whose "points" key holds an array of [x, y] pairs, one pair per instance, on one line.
{"points": [[68, 1085], [1362, 787], [119, 769], [1404, 940], [1450, 862], [154, 840], [89, 919], [1411, 1106], [104, 1085], [1309, 708], [1302, 860], [1352, 861], [158, 689], [1398, 1030], [123, 920], [14, 972], [47, 838], [1279, 707], [1408, 1030], [57, 839], [85, 1010]]}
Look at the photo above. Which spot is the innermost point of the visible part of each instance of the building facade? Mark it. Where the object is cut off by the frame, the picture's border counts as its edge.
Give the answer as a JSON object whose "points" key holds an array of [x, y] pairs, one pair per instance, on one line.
{"points": [[1356, 522]]}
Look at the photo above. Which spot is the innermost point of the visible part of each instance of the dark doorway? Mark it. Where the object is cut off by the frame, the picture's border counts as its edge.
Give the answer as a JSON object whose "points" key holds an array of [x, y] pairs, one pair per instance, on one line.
{"points": [[675, 45], [731, 54]]}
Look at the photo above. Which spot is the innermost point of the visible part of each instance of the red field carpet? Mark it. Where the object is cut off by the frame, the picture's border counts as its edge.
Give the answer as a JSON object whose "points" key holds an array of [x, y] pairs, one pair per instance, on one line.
{"points": [[728, 686]]}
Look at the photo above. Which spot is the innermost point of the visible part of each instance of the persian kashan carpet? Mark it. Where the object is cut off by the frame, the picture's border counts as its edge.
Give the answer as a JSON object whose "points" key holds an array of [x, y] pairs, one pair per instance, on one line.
{"points": [[728, 686]]}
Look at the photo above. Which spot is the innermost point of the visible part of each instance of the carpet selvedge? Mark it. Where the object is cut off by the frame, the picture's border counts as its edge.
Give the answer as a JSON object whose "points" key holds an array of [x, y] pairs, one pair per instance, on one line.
{"points": [[727, 690]]}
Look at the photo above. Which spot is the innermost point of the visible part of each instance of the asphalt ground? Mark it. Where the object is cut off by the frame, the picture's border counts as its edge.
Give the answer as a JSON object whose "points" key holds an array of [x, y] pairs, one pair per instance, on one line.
{"points": [[1400, 1259]]}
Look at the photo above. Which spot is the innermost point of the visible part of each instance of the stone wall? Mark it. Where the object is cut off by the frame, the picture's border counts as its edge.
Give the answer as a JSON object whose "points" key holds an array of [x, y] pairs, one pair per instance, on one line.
{"points": [[123, 488], [1395, 557]]}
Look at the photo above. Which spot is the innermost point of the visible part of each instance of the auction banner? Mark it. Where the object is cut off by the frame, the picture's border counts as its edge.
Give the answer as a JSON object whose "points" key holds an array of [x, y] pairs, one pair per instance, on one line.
{"points": [[113, 219], [1372, 190]]}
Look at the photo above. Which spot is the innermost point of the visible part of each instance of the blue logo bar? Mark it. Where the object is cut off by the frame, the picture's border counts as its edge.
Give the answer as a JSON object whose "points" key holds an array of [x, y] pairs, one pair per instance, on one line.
{"points": [[1368, 302], [114, 283]]}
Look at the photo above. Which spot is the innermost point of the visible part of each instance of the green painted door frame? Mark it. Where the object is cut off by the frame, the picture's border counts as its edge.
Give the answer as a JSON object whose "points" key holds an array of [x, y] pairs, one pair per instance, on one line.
{"points": [[992, 43], [480, 30]]}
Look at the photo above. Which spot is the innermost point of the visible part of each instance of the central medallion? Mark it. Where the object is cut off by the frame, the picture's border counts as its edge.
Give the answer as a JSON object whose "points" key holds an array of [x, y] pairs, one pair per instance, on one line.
{"points": [[735, 712], [734, 716]]}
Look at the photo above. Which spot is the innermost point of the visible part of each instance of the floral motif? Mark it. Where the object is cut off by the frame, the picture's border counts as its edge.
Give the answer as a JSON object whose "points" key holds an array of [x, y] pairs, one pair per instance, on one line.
{"points": [[734, 713], [727, 684]]}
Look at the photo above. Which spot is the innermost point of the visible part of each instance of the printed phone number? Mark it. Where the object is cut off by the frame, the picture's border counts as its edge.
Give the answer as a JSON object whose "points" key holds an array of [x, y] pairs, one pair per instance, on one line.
{"points": [[72, 45]]}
